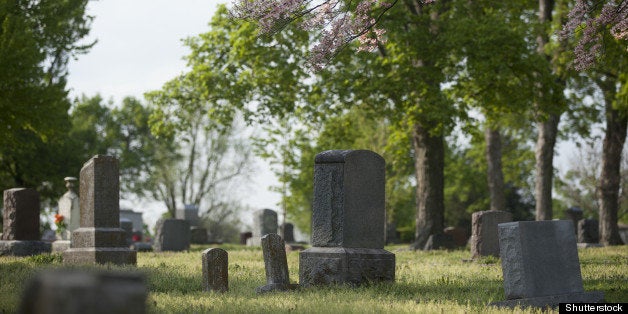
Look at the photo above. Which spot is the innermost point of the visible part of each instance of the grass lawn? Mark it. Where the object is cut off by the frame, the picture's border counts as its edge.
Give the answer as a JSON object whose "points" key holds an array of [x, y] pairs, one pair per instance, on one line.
{"points": [[426, 282]]}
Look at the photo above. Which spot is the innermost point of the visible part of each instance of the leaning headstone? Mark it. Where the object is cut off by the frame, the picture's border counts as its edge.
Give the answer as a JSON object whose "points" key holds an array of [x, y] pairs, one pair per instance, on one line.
{"points": [[588, 231], [69, 205], [348, 218], [484, 238], [76, 291], [540, 265], [189, 213], [20, 235], [215, 270], [264, 222], [100, 239], [287, 232], [276, 265], [172, 235]]}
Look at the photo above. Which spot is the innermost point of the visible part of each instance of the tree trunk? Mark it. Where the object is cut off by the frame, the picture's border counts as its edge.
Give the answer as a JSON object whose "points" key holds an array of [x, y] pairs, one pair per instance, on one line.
{"points": [[429, 151], [495, 174], [544, 155], [610, 178]]}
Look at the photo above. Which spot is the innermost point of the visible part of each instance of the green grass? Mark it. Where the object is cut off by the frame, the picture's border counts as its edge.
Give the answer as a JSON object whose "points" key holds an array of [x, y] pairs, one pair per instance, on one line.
{"points": [[426, 282]]}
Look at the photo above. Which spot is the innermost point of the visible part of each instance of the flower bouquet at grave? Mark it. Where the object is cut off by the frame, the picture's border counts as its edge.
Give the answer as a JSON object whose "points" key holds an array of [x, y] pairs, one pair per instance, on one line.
{"points": [[61, 226]]}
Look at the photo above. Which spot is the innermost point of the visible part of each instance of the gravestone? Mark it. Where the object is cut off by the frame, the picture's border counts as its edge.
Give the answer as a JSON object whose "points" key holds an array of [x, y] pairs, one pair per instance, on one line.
{"points": [[198, 235], [574, 214], [459, 235], [77, 292], [189, 213], [275, 264], [172, 235], [540, 264], [348, 218], [484, 237], [264, 222], [215, 270], [287, 232], [588, 231], [440, 241], [127, 226], [245, 236], [20, 235], [99, 238], [69, 205]]}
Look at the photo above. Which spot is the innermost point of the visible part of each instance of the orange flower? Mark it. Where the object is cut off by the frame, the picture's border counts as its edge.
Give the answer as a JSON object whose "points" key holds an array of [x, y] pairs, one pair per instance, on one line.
{"points": [[58, 218]]}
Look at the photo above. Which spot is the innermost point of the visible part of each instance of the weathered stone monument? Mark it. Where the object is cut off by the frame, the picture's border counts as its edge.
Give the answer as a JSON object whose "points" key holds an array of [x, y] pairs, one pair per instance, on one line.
{"points": [[275, 264], [69, 205], [484, 237], [348, 218], [20, 235], [540, 265], [172, 235], [287, 232], [76, 291], [99, 238], [215, 270], [264, 222]]}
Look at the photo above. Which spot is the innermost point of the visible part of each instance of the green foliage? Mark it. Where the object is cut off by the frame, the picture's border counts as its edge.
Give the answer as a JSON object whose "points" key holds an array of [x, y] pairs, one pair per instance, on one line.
{"points": [[44, 259]]}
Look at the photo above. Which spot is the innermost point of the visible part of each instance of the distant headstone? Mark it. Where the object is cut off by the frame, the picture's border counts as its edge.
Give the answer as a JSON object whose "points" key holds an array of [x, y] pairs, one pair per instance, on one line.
{"points": [[440, 241], [20, 235], [198, 235], [100, 239], [459, 235], [189, 213], [588, 231], [135, 217], [276, 265], [348, 218], [540, 264], [172, 235], [484, 238], [69, 205], [77, 291], [215, 270], [244, 236], [127, 226], [287, 232], [264, 222], [574, 214]]}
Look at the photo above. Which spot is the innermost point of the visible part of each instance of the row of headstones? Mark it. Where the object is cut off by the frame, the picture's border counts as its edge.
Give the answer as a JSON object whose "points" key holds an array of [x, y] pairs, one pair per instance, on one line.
{"points": [[348, 218]]}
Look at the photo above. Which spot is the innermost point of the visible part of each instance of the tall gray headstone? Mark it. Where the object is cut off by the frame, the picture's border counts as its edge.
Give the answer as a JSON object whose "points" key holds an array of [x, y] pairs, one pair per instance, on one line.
{"points": [[69, 205], [100, 238], [540, 264], [348, 218], [172, 235], [77, 292], [275, 264], [215, 270], [20, 235], [189, 213], [484, 237], [264, 222]]}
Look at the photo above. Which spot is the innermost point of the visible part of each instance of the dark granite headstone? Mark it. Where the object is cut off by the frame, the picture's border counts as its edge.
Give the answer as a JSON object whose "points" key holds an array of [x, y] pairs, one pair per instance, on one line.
{"points": [[77, 292], [172, 235], [440, 242], [287, 232], [484, 238], [588, 231], [100, 239], [264, 222], [276, 265], [244, 236], [215, 270], [459, 235], [198, 235], [20, 235], [540, 264], [348, 218], [127, 226]]}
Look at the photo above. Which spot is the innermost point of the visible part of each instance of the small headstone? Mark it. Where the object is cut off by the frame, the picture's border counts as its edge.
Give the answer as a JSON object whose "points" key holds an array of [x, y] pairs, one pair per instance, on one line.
{"points": [[484, 238], [69, 205], [215, 270], [264, 222], [540, 264], [244, 236], [76, 291], [459, 235], [287, 232], [100, 239], [440, 242], [20, 235], [348, 217], [127, 226], [276, 265], [189, 213], [588, 231], [574, 214], [172, 235], [198, 235]]}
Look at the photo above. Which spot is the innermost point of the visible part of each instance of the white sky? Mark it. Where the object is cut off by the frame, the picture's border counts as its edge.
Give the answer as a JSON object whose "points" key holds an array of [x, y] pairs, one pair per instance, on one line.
{"points": [[140, 48]]}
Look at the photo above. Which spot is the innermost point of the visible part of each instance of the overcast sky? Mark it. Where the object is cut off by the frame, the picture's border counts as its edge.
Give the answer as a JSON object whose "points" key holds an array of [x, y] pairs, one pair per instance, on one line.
{"points": [[140, 48]]}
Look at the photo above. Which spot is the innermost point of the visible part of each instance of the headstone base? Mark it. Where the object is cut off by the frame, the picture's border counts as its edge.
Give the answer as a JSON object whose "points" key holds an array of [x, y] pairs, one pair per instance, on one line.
{"points": [[353, 266], [60, 246], [276, 287], [553, 300], [100, 255], [23, 248]]}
